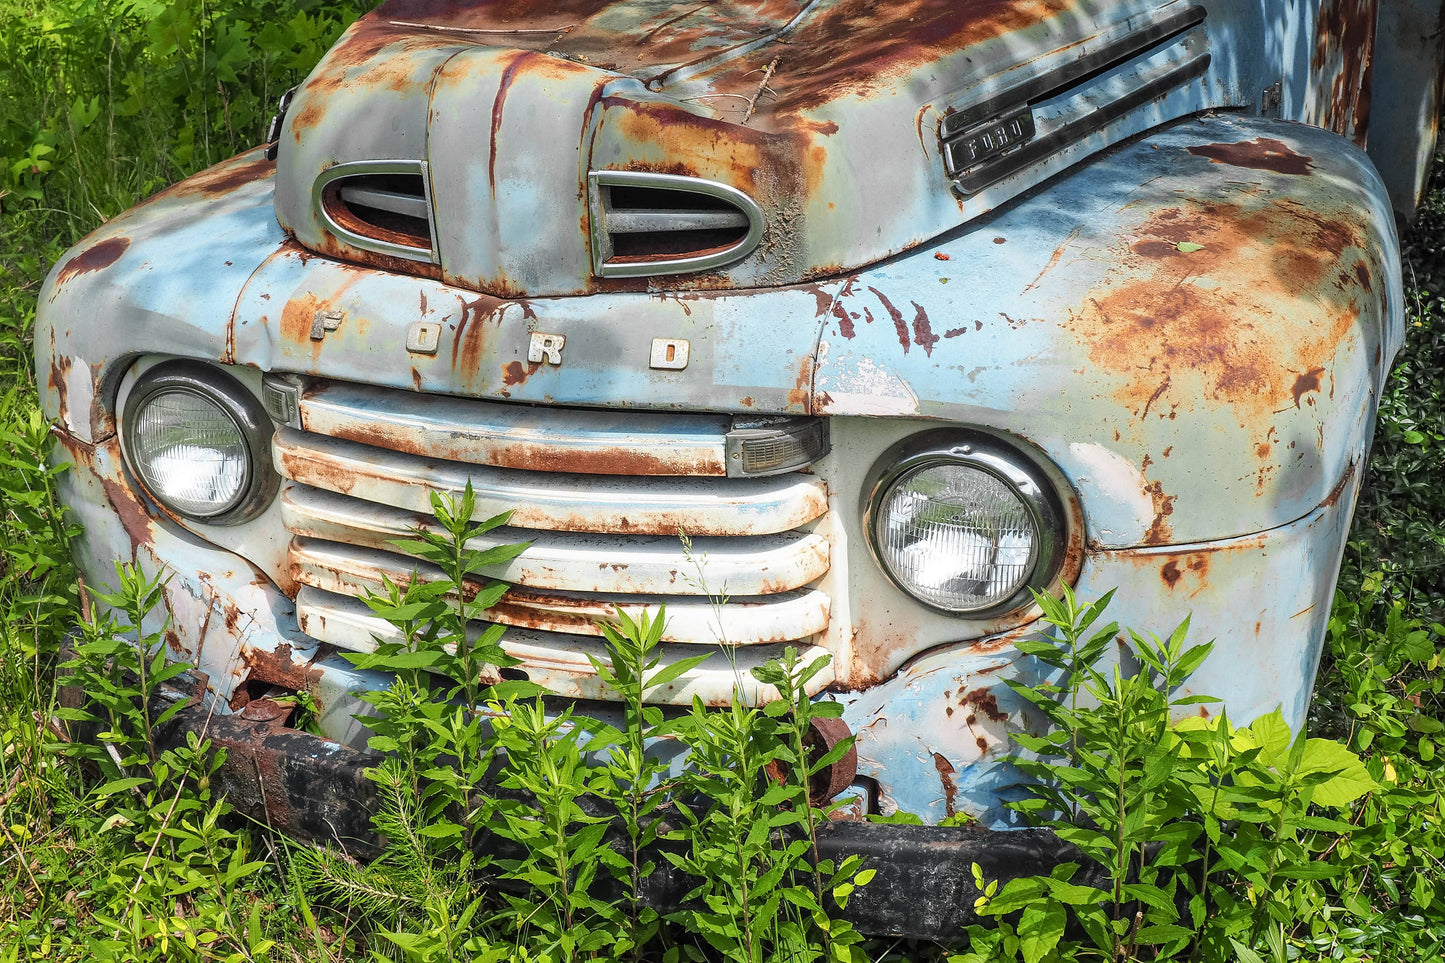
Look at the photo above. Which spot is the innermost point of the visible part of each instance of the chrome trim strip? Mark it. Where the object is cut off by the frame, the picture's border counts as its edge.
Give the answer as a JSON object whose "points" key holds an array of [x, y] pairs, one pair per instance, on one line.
{"points": [[503, 435], [745, 620], [975, 180], [578, 562], [1130, 45], [407, 205], [641, 222], [620, 504]]}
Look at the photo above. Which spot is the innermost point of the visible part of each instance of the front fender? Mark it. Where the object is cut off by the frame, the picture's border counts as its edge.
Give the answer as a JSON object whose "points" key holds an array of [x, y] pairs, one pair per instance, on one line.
{"points": [[1194, 328]]}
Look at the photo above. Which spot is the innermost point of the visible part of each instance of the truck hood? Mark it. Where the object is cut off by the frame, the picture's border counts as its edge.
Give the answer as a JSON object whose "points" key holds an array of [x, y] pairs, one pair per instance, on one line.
{"points": [[589, 145]]}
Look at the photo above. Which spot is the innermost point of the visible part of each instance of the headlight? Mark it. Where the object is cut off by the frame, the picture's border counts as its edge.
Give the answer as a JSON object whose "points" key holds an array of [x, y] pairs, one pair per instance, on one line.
{"points": [[964, 524], [199, 443]]}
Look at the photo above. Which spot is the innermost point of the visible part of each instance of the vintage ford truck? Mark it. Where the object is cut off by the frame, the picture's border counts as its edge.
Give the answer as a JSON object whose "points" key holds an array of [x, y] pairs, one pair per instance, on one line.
{"points": [[898, 310]]}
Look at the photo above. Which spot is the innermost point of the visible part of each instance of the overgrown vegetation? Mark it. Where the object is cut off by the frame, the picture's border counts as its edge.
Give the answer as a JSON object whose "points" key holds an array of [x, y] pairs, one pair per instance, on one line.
{"points": [[1215, 843]]}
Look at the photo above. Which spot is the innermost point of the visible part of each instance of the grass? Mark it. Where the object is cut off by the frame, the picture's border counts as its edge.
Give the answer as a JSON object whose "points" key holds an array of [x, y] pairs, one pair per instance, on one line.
{"points": [[102, 102]]}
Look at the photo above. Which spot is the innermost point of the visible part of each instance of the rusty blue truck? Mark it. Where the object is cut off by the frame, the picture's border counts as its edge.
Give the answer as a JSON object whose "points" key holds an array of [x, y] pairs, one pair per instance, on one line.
{"points": [[900, 312]]}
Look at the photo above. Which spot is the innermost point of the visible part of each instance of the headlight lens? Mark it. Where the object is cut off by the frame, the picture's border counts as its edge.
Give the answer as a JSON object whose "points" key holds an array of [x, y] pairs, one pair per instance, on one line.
{"points": [[965, 528], [190, 453], [197, 440]]}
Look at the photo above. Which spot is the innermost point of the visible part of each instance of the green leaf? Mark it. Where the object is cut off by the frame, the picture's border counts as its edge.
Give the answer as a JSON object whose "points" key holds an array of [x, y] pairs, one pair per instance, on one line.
{"points": [[1350, 779], [1188, 247], [1273, 736], [1040, 929], [1163, 933], [121, 785], [672, 671]]}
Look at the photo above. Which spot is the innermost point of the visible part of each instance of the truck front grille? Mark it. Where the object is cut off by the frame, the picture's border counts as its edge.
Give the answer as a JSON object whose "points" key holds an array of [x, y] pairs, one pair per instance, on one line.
{"points": [[601, 496]]}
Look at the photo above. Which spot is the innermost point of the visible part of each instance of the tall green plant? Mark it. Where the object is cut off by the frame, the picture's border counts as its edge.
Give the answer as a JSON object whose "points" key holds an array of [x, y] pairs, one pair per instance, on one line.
{"points": [[160, 795], [636, 781], [1202, 833]]}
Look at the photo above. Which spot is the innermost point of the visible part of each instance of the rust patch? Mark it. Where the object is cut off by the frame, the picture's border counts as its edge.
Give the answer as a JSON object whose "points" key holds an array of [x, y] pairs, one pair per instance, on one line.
{"points": [[898, 323], [845, 321], [945, 776], [1195, 563], [1054, 258], [608, 461], [55, 380], [801, 394], [509, 74], [856, 46], [1262, 153], [1158, 327], [1160, 530], [301, 466], [225, 177], [176, 644], [469, 342], [297, 316], [923, 335], [1155, 249], [1306, 383], [984, 701], [1339, 489], [1362, 276], [513, 372], [1344, 57], [132, 514], [94, 258], [278, 668]]}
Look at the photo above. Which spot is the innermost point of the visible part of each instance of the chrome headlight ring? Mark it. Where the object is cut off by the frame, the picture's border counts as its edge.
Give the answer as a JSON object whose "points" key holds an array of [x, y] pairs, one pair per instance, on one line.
{"points": [[199, 443]]}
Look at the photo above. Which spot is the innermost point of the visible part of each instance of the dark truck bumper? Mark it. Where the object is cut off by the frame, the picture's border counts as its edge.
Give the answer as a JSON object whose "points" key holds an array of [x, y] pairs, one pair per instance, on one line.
{"points": [[317, 790]]}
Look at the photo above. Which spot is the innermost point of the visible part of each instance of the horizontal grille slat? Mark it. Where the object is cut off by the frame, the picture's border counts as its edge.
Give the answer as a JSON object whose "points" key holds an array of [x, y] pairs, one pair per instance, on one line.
{"points": [[556, 502], [754, 620], [560, 662], [642, 221], [393, 202], [646, 564], [520, 436]]}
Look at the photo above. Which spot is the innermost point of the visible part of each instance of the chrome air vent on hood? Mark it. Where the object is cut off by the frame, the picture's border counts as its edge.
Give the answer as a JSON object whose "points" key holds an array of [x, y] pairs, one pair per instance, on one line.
{"points": [[645, 223], [380, 206]]}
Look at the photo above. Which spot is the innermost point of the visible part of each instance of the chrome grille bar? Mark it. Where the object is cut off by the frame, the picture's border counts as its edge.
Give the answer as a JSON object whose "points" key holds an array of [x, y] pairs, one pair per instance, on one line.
{"points": [[751, 620], [556, 502], [560, 662], [580, 562]]}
